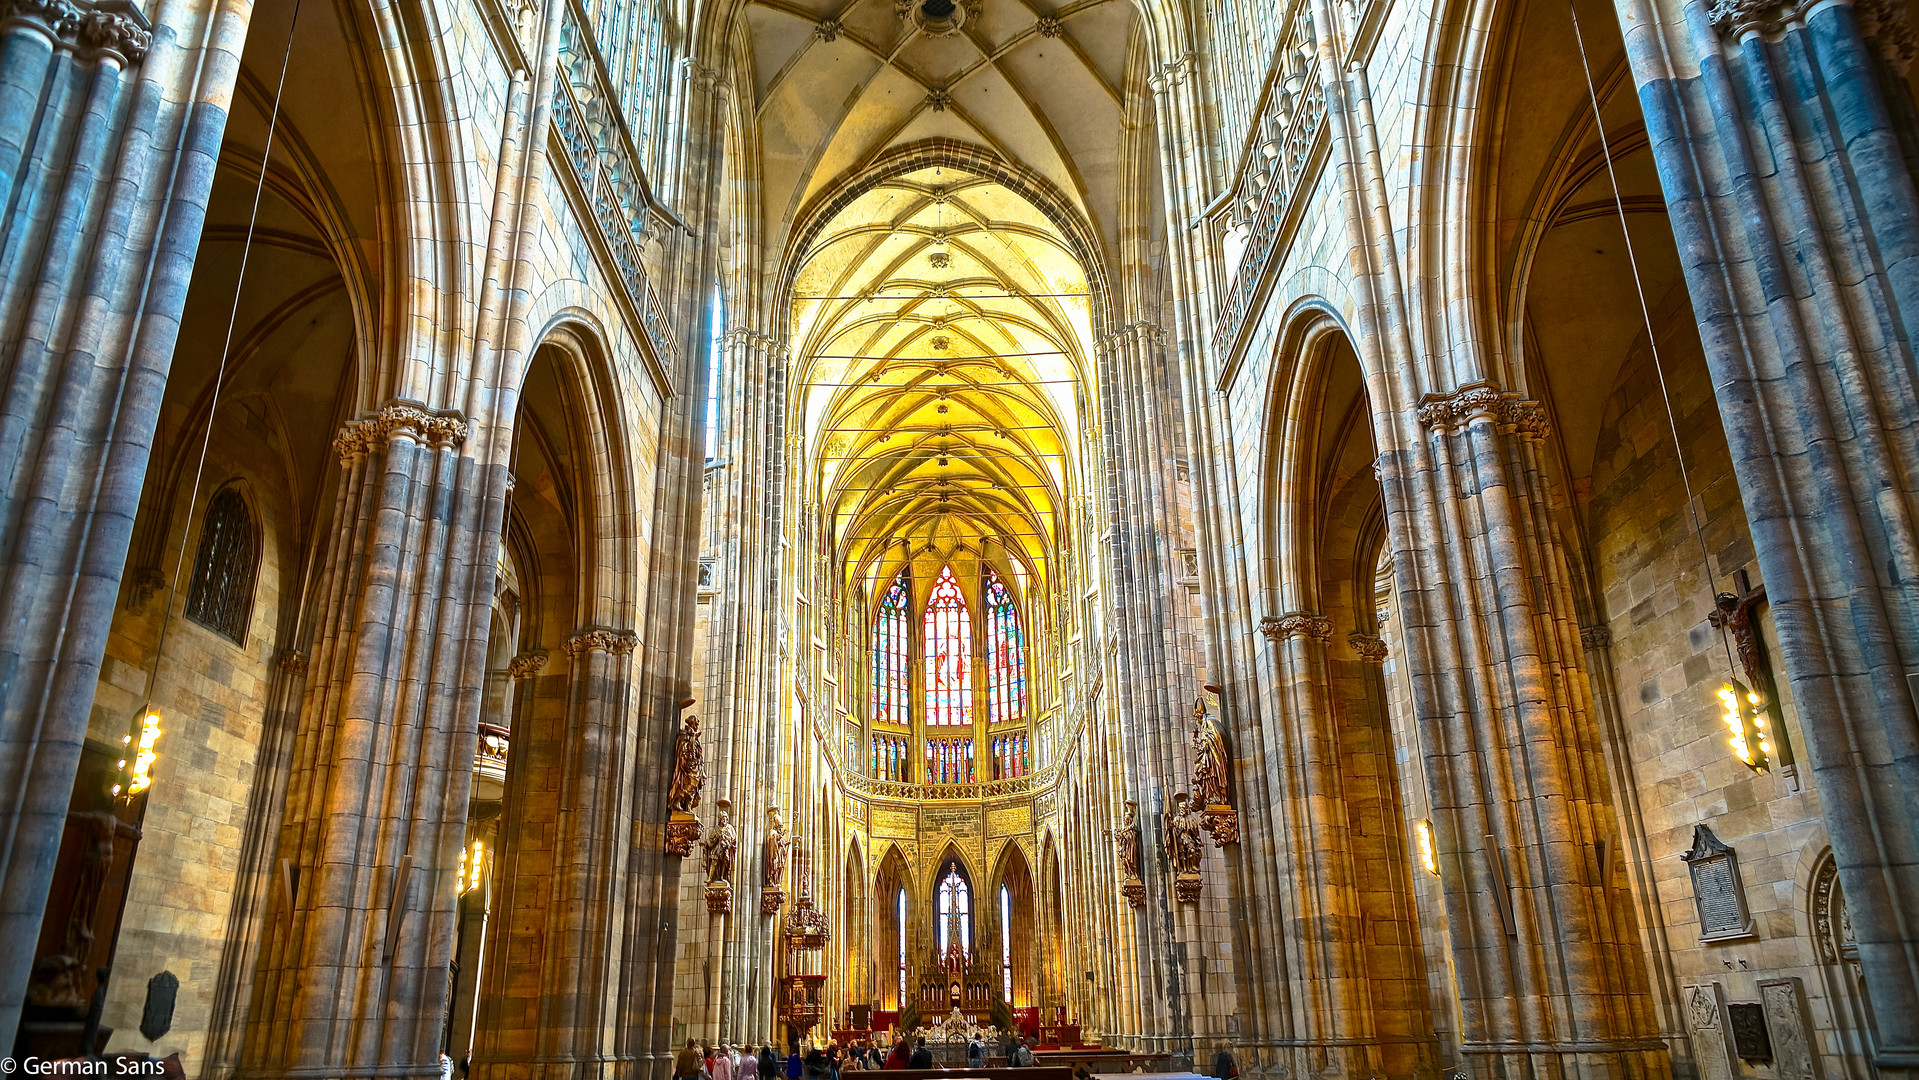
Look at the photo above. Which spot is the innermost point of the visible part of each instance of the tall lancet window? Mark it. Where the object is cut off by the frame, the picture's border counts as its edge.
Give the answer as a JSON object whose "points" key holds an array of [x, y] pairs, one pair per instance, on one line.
{"points": [[1005, 655], [956, 911], [890, 657], [949, 655], [900, 921], [1006, 942]]}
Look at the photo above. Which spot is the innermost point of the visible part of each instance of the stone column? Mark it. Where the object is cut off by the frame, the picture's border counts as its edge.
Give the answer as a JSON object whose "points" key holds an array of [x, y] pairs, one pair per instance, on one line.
{"points": [[1635, 856], [1782, 133], [363, 923], [256, 875], [478, 942], [550, 972], [1319, 1020], [108, 139], [1551, 977], [1146, 672]]}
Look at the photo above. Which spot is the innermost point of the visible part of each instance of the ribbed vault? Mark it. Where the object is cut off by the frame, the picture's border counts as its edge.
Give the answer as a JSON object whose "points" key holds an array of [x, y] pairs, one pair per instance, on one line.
{"points": [[945, 326], [837, 83]]}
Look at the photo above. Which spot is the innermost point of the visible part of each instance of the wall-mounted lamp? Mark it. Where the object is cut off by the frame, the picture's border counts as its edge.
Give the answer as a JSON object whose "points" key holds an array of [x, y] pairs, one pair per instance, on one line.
{"points": [[1428, 856], [1745, 721]]}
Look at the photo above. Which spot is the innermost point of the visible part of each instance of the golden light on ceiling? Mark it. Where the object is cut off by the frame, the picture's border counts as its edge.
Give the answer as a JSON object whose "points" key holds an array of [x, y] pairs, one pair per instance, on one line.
{"points": [[947, 410]]}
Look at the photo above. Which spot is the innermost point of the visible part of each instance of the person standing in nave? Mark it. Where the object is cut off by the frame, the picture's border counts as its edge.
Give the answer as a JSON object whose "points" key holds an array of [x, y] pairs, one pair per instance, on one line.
{"points": [[686, 1064], [721, 1065], [749, 1066], [922, 1057], [901, 1057]]}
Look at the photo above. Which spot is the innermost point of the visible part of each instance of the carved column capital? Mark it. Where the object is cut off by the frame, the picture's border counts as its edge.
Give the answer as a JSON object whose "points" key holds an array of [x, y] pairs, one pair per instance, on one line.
{"points": [[294, 662], [1371, 648], [526, 665], [362, 436], [612, 642], [1736, 18], [1305, 624], [122, 35], [1595, 637], [1446, 413], [54, 18]]}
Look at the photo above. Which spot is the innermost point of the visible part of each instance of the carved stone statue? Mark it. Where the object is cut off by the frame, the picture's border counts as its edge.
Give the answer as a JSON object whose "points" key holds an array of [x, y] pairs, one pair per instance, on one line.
{"points": [[777, 846], [1127, 838], [722, 845], [689, 768], [1183, 844], [773, 863], [1209, 759]]}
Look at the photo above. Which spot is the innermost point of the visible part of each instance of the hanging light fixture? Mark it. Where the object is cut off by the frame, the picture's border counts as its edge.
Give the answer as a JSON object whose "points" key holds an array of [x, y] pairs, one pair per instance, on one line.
{"points": [[471, 863], [1745, 723], [137, 776]]}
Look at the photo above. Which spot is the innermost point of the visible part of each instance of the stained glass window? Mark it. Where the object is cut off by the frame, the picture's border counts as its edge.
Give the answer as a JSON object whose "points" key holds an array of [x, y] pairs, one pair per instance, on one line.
{"points": [[890, 656], [949, 655], [889, 757], [950, 761], [1010, 756], [1005, 655], [956, 911], [1006, 942]]}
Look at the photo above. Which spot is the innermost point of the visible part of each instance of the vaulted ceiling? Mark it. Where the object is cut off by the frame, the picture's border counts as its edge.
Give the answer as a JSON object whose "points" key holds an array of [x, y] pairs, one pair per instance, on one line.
{"points": [[945, 326], [941, 319], [837, 83]]}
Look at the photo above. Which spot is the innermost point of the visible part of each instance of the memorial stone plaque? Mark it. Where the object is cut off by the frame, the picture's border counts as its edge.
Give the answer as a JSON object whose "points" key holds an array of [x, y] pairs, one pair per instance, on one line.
{"points": [[1715, 888], [157, 1018], [1787, 1028], [1747, 1019]]}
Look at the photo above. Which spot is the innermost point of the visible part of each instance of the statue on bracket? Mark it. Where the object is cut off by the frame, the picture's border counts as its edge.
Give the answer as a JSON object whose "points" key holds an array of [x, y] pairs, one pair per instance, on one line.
{"points": [[1126, 838], [722, 845], [1184, 847], [689, 779], [773, 891], [1211, 777]]}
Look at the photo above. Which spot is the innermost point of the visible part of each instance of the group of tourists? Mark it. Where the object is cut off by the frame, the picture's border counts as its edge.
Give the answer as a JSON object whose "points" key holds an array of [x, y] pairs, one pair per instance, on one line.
{"points": [[729, 1062], [725, 1061]]}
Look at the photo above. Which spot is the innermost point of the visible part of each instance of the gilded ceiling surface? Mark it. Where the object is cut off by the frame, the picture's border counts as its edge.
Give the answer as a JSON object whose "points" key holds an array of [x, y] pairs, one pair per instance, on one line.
{"points": [[944, 326]]}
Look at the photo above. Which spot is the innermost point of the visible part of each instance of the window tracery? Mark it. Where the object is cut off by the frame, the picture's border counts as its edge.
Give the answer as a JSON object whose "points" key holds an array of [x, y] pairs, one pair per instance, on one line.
{"points": [[950, 761], [1006, 943], [949, 655], [1005, 655], [889, 758], [1010, 756], [891, 680], [221, 595], [955, 911]]}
